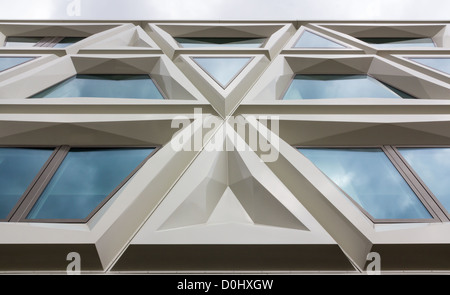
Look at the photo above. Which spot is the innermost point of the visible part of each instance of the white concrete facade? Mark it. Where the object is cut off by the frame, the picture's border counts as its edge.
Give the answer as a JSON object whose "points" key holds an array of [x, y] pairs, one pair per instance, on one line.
{"points": [[219, 207]]}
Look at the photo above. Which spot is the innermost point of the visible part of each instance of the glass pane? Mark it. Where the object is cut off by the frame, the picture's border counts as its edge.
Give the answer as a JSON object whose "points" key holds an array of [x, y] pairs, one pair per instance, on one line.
{"points": [[67, 41], [339, 86], [112, 86], [222, 69], [311, 40], [220, 42], [432, 165], [84, 179], [440, 64], [399, 42], [371, 180], [9, 62], [22, 41], [18, 168]]}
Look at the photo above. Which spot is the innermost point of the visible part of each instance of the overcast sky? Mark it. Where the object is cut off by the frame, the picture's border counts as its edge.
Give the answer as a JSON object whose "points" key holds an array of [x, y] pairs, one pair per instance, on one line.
{"points": [[436, 10]]}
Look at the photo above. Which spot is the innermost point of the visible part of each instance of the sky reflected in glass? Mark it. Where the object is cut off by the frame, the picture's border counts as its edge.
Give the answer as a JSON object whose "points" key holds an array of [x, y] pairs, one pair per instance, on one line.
{"points": [[371, 180], [22, 42], [222, 69], [9, 62], [433, 166], [339, 86], [311, 40], [84, 179], [440, 64], [111, 86], [18, 168]]}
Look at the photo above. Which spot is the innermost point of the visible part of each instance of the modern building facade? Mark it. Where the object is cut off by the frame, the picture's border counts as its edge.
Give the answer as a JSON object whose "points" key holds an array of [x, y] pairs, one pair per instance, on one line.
{"points": [[224, 146]]}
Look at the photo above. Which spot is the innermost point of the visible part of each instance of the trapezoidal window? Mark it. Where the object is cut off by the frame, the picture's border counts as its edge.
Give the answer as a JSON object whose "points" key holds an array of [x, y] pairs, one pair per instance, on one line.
{"points": [[340, 86], [222, 69], [370, 179], [432, 166], [7, 62], [18, 168], [438, 63], [63, 184], [108, 86], [311, 40]]}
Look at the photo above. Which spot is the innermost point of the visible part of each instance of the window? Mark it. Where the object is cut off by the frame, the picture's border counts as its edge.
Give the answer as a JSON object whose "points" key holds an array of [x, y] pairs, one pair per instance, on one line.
{"points": [[18, 168], [440, 64], [432, 165], [9, 62], [311, 40], [63, 184], [192, 42], [399, 42], [110, 85], [370, 179], [340, 86], [222, 69], [19, 42], [54, 42]]}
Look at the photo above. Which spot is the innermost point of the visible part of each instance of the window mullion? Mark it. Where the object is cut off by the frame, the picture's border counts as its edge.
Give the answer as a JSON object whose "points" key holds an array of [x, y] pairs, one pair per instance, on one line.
{"points": [[54, 41], [49, 41], [42, 42]]}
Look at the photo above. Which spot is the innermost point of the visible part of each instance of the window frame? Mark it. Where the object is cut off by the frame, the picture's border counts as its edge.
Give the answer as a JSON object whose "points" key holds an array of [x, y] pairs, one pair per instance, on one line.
{"points": [[392, 156], [35, 189], [281, 97]]}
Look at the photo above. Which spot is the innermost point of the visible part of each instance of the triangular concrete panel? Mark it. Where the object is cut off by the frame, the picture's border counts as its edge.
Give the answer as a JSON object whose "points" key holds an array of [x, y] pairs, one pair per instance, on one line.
{"points": [[197, 207], [14, 128], [132, 38], [375, 135], [319, 65], [201, 201], [55, 31], [229, 210], [212, 192], [69, 134], [214, 31], [260, 204], [121, 65], [370, 30]]}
